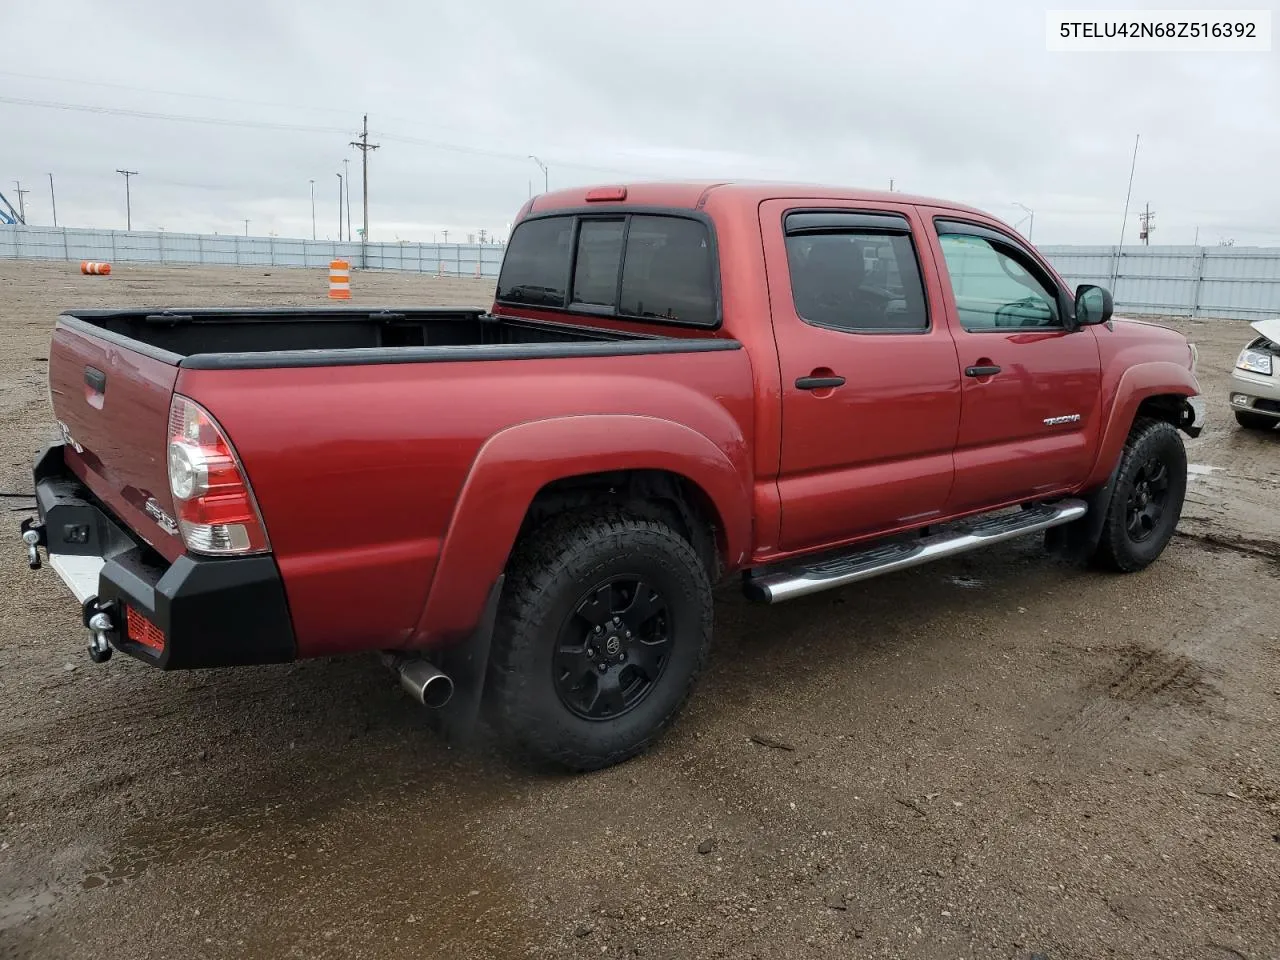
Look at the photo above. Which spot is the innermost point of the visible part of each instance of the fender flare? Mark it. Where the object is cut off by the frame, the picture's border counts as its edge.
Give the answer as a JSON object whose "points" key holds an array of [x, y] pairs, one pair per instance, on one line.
{"points": [[514, 464], [1138, 383]]}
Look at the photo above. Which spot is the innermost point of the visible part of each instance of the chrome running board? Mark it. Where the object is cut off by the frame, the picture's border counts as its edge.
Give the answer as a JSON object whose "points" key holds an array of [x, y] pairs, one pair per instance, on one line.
{"points": [[797, 579]]}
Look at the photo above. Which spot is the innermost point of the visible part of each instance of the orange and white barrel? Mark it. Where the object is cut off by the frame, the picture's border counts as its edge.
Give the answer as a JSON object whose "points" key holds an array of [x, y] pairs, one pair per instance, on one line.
{"points": [[339, 280], [95, 268]]}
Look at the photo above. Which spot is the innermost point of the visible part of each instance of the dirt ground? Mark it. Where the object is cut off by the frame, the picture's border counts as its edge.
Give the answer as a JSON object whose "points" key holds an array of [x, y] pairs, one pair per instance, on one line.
{"points": [[997, 756]]}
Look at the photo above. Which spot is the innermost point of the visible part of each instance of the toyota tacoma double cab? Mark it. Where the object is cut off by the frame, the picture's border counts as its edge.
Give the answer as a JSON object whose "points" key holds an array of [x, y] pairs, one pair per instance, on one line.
{"points": [[523, 509]]}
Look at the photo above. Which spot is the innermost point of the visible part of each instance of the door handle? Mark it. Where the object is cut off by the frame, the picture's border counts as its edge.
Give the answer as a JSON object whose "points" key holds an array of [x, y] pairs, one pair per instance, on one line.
{"points": [[989, 370], [818, 383], [95, 379]]}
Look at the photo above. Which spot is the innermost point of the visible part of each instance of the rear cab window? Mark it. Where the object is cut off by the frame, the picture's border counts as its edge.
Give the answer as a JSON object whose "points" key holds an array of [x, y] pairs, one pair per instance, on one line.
{"points": [[642, 266]]}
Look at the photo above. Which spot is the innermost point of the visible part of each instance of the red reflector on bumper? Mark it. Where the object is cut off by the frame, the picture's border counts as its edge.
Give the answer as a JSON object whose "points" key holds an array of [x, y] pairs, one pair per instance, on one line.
{"points": [[143, 631]]}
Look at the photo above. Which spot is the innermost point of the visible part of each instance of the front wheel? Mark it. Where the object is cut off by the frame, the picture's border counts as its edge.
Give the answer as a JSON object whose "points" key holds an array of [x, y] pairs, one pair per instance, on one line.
{"points": [[603, 627], [1146, 501]]}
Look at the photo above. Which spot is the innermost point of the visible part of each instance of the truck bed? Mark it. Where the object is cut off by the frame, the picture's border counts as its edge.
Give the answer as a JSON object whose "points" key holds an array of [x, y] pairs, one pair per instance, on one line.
{"points": [[237, 337]]}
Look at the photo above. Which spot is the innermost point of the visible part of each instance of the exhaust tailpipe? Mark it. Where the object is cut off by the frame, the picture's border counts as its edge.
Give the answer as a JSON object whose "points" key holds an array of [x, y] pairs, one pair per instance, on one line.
{"points": [[429, 686]]}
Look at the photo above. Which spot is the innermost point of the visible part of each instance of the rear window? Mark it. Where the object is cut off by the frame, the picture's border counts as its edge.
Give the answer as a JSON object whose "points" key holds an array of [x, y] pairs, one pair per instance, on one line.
{"points": [[646, 266]]}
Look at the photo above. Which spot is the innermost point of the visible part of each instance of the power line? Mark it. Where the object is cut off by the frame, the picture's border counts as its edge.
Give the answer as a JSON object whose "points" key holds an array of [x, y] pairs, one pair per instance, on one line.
{"points": [[172, 117], [333, 111], [173, 93], [299, 128]]}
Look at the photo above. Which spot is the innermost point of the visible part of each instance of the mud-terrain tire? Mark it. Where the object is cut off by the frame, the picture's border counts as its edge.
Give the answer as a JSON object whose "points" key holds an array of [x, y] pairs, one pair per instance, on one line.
{"points": [[565, 694], [1255, 421], [1146, 501]]}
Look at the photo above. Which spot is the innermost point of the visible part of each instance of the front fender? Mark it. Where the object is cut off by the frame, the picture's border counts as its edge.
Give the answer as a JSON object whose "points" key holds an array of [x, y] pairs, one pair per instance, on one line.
{"points": [[516, 463], [1139, 382]]}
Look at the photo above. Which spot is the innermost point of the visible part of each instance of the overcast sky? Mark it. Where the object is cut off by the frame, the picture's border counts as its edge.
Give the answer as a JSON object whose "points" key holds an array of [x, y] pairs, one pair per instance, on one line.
{"points": [[950, 99]]}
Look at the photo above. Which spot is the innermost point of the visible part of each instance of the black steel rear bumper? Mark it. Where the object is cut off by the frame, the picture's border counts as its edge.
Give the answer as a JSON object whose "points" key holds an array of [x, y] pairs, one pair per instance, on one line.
{"points": [[212, 612]]}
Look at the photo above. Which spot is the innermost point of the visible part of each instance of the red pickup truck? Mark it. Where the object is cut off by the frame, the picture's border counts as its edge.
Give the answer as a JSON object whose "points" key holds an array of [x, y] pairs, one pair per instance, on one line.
{"points": [[524, 509]]}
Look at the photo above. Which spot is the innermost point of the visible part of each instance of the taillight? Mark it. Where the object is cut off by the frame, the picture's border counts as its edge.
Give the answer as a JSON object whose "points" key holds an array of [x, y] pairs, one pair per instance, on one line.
{"points": [[216, 510]]}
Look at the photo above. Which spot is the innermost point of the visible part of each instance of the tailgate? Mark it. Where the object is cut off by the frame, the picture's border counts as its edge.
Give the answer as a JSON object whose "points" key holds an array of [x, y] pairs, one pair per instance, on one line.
{"points": [[112, 406]]}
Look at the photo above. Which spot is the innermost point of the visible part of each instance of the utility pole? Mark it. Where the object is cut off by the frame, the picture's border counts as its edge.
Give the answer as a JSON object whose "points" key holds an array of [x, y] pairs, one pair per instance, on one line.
{"points": [[545, 182], [339, 208], [364, 146], [891, 184], [128, 201], [313, 208], [346, 177], [22, 207], [246, 226], [53, 200], [1146, 218], [446, 235]]}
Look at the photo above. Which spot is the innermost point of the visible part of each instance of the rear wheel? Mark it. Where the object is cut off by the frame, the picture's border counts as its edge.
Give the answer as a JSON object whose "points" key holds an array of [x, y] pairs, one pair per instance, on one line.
{"points": [[603, 628], [1146, 501], [1255, 421]]}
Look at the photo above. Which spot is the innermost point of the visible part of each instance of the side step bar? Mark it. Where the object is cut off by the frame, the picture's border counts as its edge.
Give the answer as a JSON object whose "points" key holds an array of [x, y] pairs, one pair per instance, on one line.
{"points": [[797, 580]]}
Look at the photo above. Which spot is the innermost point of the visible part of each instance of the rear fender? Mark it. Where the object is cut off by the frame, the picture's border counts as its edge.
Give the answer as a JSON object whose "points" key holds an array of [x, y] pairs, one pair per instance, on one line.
{"points": [[1139, 382], [515, 464]]}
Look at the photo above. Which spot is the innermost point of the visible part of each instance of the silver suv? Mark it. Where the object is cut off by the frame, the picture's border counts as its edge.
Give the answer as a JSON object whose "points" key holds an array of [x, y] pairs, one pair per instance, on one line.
{"points": [[1255, 382]]}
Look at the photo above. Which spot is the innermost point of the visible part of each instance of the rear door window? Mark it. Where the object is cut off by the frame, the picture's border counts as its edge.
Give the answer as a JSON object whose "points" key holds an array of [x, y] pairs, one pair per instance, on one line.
{"points": [[855, 272]]}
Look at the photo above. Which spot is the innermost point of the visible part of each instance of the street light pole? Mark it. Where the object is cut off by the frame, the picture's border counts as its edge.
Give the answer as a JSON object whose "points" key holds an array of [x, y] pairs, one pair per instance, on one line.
{"points": [[545, 182], [346, 178], [339, 208], [313, 208]]}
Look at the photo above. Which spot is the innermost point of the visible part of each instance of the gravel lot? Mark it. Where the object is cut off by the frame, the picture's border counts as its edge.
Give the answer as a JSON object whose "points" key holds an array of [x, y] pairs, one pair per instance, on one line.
{"points": [[992, 757]]}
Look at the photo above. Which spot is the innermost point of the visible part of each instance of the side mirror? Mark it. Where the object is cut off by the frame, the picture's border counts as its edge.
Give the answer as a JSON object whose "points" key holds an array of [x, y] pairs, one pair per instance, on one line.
{"points": [[1093, 304]]}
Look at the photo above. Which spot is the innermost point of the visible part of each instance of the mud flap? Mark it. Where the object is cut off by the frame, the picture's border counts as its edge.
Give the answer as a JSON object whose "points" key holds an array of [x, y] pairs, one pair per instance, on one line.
{"points": [[467, 664], [1076, 542]]}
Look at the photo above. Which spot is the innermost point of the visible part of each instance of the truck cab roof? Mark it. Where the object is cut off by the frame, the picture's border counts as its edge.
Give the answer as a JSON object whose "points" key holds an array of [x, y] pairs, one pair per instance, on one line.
{"points": [[694, 194]]}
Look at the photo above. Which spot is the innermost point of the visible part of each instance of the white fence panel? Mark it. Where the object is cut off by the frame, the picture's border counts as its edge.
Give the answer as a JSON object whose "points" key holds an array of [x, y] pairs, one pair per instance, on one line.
{"points": [[1240, 282]]}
